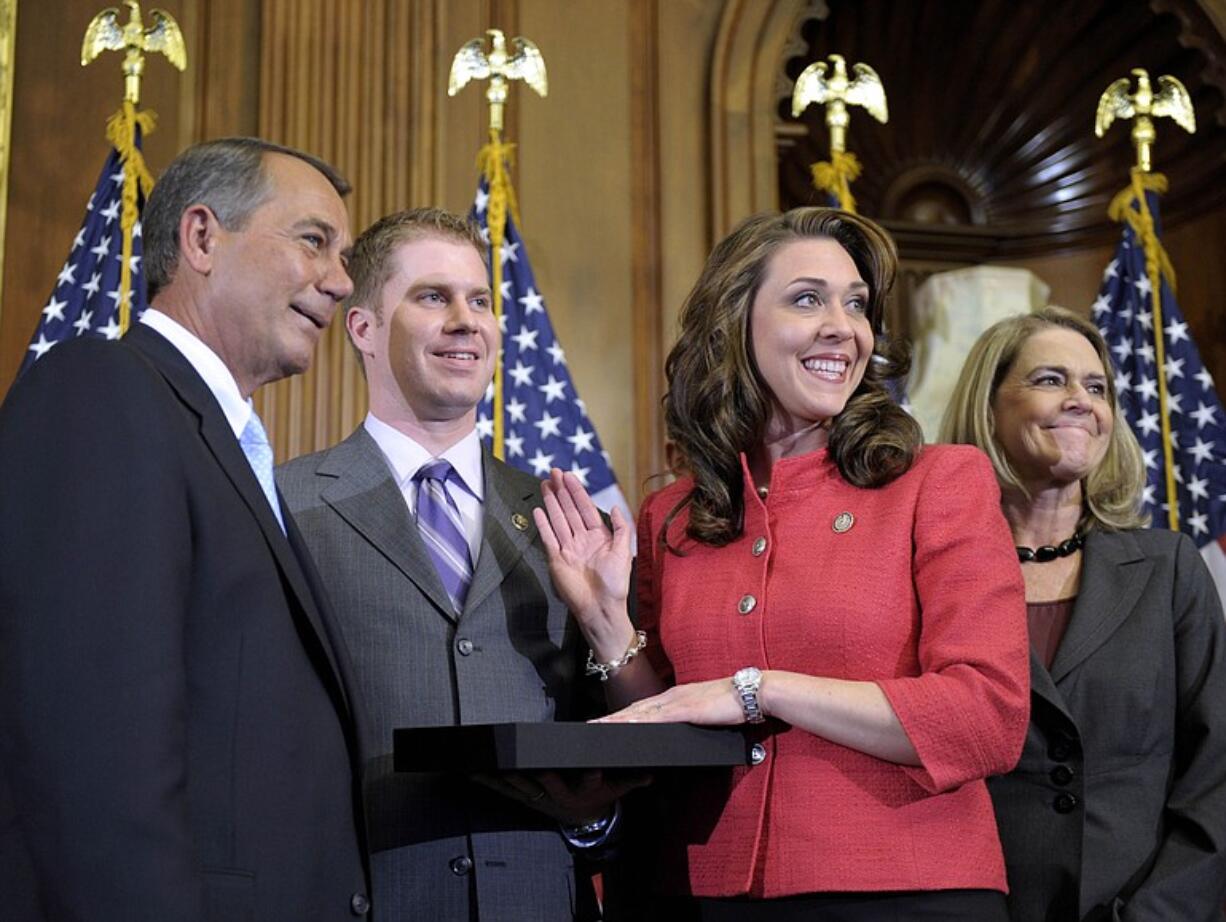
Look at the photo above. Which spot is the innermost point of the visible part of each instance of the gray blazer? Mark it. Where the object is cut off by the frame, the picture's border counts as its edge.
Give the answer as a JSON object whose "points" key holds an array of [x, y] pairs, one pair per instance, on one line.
{"points": [[1117, 809], [444, 848]]}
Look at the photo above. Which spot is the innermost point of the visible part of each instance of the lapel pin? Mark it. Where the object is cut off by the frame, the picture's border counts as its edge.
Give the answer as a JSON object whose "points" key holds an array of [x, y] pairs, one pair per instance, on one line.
{"points": [[843, 522], [520, 521]]}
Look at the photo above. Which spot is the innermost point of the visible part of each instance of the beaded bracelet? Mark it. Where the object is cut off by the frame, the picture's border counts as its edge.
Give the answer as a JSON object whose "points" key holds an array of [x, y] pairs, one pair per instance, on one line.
{"points": [[604, 670]]}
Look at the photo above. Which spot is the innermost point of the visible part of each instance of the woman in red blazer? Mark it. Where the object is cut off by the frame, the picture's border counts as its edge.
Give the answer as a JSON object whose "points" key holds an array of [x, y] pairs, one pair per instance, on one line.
{"points": [[853, 598]]}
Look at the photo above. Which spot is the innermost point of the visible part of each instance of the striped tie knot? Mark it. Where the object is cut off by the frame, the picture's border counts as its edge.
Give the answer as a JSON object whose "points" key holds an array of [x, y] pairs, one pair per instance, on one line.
{"points": [[442, 529]]}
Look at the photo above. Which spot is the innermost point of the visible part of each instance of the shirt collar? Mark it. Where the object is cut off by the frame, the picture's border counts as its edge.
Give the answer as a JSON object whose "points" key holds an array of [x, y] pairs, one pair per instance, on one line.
{"points": [[404, 456], [208, 365]]}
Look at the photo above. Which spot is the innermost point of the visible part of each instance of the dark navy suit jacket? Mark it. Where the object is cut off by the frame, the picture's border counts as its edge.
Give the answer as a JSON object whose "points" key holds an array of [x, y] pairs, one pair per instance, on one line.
{"points": [[176, 730]]}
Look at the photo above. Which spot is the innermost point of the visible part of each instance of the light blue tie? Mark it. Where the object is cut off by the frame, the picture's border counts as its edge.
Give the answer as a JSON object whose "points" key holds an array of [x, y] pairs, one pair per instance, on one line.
{"points": [[254, 442]]}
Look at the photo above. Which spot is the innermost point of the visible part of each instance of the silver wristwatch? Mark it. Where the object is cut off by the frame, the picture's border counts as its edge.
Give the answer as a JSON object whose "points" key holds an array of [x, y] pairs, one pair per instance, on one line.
{"points": [[747, 681]]}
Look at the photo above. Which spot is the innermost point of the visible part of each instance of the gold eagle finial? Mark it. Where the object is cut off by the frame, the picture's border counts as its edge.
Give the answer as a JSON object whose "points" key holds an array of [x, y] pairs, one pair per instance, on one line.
{"points": [[1143, 107], [104, 33], [523, 63], [837, 92]]}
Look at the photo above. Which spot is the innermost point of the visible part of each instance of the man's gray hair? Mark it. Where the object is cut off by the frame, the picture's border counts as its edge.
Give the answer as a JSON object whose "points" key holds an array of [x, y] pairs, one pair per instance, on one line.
{"points": [[225, 175]]}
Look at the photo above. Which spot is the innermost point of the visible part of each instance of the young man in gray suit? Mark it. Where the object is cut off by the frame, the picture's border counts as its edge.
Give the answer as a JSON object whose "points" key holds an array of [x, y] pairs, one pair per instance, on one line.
{"points": [[429, 551]]}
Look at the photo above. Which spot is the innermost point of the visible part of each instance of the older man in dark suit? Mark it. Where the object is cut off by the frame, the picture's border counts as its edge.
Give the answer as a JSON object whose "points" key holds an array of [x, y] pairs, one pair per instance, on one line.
{"points": [[430, 554], [176, 730]]}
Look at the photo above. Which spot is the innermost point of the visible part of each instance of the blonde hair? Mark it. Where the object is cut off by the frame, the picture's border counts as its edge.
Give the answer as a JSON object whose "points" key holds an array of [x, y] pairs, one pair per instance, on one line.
{"points": [[1112, 491]]}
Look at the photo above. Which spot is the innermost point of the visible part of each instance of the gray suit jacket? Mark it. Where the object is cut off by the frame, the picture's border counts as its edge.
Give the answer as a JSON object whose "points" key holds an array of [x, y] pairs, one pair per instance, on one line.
{"points": [[1117, 809], [444, 848]]}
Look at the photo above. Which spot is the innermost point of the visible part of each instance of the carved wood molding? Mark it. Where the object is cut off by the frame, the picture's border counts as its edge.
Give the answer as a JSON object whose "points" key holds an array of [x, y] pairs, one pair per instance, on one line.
{"points": [[992, 149], [744, 82]]}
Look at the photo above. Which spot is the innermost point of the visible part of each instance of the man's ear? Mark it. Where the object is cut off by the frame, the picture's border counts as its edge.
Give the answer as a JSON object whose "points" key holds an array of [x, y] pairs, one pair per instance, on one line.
{"points": [[360, 323], [198, 231]]}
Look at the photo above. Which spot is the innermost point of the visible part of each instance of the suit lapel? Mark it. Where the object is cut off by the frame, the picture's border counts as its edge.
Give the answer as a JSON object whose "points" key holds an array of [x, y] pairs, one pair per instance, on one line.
{"points": [[363, 493], [1042, 686], [1113, 575], [507, 531], [219, 439]]}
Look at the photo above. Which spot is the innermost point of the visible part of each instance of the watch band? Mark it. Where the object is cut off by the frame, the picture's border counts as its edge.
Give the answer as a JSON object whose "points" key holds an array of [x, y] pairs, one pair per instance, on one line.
{"points": [[747, 681]]}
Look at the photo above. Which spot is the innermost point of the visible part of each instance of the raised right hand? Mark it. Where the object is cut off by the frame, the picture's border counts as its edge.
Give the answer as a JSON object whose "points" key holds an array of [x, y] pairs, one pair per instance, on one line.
{"points": [[589, 565]]}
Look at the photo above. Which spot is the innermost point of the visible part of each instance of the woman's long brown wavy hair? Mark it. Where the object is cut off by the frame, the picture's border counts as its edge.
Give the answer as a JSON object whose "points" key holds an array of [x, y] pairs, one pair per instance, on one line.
{"points": [[718, 405]]}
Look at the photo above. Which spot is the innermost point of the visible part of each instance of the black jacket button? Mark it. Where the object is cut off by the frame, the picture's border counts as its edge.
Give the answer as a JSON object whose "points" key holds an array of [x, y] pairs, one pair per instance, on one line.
{"points": [[1061, 775], [1064, 803], [359, 905], [461, 866]]}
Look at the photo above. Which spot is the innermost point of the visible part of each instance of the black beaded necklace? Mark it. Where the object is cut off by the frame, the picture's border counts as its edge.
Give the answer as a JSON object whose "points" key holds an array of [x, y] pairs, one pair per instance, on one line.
{"points": [[1050, 552]]}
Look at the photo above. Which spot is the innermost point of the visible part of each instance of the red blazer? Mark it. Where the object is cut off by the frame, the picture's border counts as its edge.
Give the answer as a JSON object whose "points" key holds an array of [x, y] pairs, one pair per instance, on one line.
{"points": [[921, 594]]}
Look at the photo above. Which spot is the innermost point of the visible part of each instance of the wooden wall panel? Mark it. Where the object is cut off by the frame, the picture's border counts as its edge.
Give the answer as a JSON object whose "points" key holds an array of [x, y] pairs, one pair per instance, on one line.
{"points": [[574, 164], [646, 250], [359, 84]]}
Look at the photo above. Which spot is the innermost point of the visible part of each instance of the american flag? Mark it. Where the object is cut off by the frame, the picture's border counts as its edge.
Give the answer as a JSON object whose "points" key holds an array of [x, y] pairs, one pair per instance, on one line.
{"points": [[1125, 315], [545, 421], [85, 299]]}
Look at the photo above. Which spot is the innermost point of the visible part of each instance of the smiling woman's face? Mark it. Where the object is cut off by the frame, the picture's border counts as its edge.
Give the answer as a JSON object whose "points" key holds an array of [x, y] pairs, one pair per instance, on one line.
{"points": [[1052, 410]]}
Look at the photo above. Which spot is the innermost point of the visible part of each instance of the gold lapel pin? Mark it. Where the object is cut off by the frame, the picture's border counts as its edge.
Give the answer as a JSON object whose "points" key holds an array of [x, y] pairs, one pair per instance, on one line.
{"points": [[843, 522], [520, 521]]}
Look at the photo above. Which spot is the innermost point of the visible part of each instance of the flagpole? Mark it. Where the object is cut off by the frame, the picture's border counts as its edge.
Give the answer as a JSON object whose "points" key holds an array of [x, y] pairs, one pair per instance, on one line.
{"points": [[525, 63], [1131, 205], [125, 127], [836, 92]]}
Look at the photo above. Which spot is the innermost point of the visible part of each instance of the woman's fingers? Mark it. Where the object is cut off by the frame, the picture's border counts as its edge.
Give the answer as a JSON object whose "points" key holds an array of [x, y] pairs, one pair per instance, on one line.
{"points": [[583, 502], [545, 530]]}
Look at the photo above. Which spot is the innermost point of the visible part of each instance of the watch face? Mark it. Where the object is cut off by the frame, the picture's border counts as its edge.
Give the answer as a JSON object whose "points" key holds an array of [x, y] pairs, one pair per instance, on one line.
{"points": [[750, 675]]}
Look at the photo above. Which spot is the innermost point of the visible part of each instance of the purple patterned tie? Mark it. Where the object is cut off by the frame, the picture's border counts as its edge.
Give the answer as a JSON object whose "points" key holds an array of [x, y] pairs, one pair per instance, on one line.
{"points": [[442, 530]]}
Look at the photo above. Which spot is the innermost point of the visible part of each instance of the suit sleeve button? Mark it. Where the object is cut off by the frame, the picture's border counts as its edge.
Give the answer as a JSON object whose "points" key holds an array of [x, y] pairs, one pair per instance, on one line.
{"points": [[1064, 803], [465, 646], [359, 905], [461, 866], [1061, 775]]}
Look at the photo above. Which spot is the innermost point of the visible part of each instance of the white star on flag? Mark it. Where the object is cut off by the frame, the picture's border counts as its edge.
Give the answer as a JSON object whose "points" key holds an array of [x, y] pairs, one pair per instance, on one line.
{"points": [[548, 425], [1177, 330], [533, 303], [553, 389], [54, 309], [43, 346], [541, 463]]}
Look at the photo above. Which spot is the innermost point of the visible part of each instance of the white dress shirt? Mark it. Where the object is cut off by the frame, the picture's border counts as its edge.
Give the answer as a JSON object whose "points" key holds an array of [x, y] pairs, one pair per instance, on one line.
{"points": [[208, 365], [404, 457]]}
